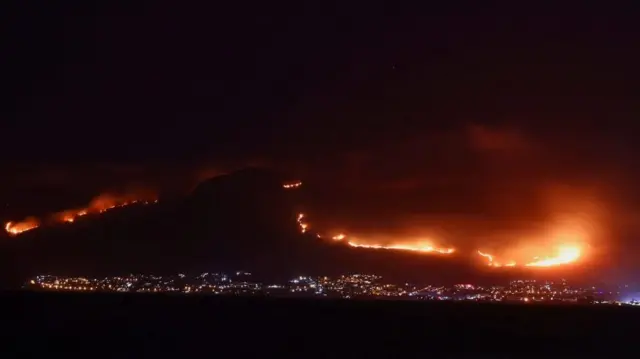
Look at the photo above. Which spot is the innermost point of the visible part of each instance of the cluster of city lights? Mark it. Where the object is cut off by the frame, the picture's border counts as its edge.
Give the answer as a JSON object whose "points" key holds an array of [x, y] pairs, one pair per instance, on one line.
{"points": [[344, 286]]}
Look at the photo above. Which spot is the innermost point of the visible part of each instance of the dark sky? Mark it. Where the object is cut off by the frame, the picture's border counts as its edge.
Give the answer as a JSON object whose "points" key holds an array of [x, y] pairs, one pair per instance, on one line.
{"points": [[473, 111]]}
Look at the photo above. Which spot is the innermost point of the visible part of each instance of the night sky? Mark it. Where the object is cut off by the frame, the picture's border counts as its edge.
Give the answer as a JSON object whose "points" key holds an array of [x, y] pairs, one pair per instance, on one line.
{"points": [[473, 118]]}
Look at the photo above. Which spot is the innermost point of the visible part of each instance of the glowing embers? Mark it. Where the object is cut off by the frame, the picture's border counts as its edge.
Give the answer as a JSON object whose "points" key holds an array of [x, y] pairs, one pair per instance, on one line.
{"points": [[302, 224], [292, 185]]}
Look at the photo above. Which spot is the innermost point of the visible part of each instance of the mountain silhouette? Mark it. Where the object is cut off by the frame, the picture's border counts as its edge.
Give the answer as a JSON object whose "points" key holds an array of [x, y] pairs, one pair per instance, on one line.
{"points": [[242, 220]]}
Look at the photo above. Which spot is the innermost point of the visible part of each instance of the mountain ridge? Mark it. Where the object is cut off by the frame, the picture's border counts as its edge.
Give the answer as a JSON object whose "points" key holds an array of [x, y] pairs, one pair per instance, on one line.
{"points": [[240, 220]]}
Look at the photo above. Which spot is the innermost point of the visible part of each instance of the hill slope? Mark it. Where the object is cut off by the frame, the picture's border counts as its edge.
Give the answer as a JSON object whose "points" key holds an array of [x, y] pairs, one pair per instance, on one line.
{"points": [[243, 220]]}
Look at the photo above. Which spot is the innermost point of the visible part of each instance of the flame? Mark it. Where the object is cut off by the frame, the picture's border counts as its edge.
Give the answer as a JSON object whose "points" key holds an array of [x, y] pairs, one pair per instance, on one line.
{"points": [[567, 240], [292, 185], [301, 223], [419, 247], [98, 205], [493, 263], [489, 257], [569, 251], [566, 254], [15, 228], [70, 216], [339, 237]]}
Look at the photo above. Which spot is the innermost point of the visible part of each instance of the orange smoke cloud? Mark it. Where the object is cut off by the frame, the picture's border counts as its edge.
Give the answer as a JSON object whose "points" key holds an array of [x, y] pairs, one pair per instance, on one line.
{"points": [[492, 139], [99, 204]]}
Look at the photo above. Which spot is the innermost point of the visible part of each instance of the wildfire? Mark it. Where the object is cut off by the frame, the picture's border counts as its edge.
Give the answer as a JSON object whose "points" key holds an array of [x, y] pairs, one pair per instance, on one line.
{"points": [[301, 223], [15, 228], [98, 205], [565, 255], [493, 263], [292, 185], [419, 247], [570, 251], [71, 215], [422, 247], [338, 237]]}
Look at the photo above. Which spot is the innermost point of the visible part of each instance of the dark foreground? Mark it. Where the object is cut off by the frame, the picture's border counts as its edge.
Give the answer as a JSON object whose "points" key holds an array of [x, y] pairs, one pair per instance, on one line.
{"points": [[165, 326]]}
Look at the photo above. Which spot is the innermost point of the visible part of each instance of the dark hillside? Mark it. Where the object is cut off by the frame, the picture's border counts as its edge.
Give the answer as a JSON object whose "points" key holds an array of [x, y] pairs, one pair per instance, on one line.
{"points": [[229, 220], [243, 220]]}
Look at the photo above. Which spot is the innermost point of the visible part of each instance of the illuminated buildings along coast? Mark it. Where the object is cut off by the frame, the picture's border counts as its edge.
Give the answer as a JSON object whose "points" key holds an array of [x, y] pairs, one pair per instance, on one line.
{"points": [[350, 286]]}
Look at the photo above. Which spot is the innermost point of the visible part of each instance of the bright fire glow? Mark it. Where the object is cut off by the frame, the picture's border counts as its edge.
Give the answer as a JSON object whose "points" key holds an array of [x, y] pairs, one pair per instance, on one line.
{"points": [[494, 263], [421, 247], [565, 255], [301, 223], [98, 205], [71, 215], [564, 244], [571, 231], [292, 185], [418, 247], [15, 228]]}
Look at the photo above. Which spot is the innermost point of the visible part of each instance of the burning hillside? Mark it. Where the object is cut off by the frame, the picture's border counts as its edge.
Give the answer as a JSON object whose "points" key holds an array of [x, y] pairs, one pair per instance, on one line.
{"points": [[566, 245], [564, 255], [98, 205], [230, 222], [563, 247], [15, 228]]}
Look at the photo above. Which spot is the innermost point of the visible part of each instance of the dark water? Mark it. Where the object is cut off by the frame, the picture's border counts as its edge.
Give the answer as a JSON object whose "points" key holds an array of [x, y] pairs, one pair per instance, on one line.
{"points": [[163, 326]]}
